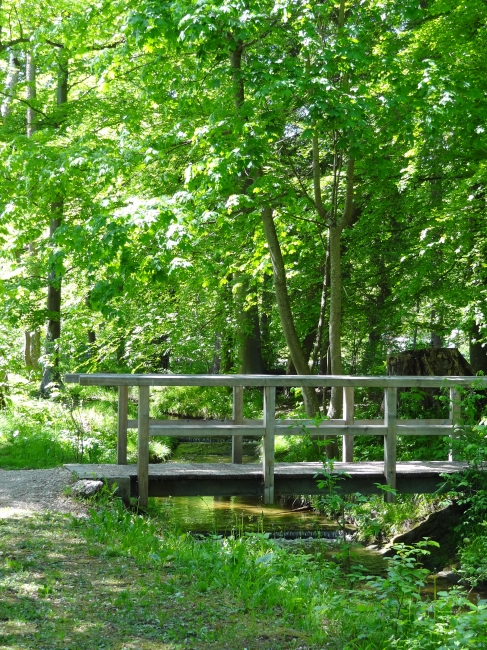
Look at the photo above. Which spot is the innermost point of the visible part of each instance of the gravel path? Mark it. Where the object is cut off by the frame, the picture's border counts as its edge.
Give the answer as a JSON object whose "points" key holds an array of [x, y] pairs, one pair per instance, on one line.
{"points": [[25, 491]]}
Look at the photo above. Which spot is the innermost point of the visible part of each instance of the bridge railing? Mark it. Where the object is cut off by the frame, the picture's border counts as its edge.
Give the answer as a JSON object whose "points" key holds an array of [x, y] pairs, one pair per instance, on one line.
{"points": [[348, 427]]}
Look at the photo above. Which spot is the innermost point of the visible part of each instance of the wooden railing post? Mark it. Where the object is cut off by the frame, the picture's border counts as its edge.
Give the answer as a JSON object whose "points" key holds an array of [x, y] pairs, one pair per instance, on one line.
{"points": [[237, 441], [348, 415], [123, 402], [268, 456], [143, 446], [455, 416], [390, 420]]}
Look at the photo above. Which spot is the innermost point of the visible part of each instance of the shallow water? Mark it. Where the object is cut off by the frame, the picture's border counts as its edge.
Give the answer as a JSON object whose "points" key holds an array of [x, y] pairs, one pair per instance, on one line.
{"points": [[238, 515], [224, 515]]}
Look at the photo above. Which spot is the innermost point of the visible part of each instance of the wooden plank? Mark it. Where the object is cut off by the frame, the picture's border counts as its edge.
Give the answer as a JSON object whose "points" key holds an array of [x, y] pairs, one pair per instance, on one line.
{"points": [[348, 414], [445, 422], [341, 430], [108, 379], [310, 424], [268, 456], [186, 423], [218, 430], [143, 446], [456, 417], [295, 427], [237, 441], [230, 471], [184, 479], [206, 432], [390, 441], [431, 430], [123, 400]]}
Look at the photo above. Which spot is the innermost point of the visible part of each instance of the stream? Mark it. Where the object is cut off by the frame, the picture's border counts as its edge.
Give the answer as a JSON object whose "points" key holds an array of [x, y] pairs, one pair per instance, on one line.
{"points": [[238, 515]]}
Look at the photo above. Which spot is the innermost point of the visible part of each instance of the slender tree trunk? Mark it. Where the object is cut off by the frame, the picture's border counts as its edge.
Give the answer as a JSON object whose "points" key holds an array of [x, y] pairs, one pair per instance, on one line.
{"points": [[51, 369], [30, 74], [217, 348], [12, 80], [27, 357], [317, 345], [335, 334], [335, 410], [32, 339], [35, 348], [284, 307]]}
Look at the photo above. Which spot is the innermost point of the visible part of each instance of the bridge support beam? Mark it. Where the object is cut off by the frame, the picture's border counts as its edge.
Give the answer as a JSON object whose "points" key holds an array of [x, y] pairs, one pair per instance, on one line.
{"points": [[455, 415], [348, 416], [123, 401], [143, 446], [390, 417], [269, 425], [237, 441]]}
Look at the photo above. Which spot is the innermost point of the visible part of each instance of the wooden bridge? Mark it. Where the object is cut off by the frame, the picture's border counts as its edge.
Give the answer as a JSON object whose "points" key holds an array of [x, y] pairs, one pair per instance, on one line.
{"points": [[229, 479]]}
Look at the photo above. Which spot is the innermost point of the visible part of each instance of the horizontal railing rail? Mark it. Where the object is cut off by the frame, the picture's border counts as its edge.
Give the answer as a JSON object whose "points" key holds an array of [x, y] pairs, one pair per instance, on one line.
{"points": [[269, 426], [284, 381]]}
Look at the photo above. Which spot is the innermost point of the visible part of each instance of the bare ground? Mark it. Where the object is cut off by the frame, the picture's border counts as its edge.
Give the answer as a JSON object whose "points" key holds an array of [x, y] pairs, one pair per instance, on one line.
{"points": [[27, 491]]}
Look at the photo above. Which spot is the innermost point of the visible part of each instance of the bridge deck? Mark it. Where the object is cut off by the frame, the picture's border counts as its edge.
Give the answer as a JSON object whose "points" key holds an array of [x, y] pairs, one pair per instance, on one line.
{"points": [[229, 479]]}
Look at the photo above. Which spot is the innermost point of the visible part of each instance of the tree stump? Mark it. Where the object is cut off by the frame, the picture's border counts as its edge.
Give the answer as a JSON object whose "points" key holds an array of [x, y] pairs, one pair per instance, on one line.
{"points": [[426, 363], [429, 362]]}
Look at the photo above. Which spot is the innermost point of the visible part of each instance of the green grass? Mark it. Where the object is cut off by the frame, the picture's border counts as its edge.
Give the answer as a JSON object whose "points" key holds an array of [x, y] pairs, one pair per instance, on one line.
{"points": [[36, 433], [120, 581], [78, 426], [65, 585]]}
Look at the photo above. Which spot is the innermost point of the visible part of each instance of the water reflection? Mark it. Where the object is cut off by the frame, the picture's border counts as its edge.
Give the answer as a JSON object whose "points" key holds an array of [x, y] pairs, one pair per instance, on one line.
{"points": [[225, 514]]}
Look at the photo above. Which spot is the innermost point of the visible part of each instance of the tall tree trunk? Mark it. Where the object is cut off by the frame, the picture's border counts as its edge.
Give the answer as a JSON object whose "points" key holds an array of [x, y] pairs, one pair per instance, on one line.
{"points": [[35, 348], [216, 363], [249, 336], [265, 321], [32, 348], [478, 351], [51, 369], [318, 342], [30, 74], [285, 312], [335, 410], [250, 347], [334, 234]]}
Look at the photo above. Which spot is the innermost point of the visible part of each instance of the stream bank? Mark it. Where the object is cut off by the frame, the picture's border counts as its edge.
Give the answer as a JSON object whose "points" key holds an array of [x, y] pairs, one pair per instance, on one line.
{"points": [[223, 516]]}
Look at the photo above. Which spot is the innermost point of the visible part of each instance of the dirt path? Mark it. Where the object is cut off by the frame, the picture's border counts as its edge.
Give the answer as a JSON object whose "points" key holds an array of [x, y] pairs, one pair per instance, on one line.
{"points": [[25, 491]]}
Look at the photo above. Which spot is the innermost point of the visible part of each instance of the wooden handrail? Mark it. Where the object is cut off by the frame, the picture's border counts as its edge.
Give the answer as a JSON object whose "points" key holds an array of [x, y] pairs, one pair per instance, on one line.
{"points": [[284, 381], [269, 427]]}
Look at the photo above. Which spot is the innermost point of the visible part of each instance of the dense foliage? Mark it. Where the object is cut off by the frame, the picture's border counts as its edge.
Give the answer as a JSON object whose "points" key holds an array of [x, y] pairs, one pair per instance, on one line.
{"points": [[143, 144]]}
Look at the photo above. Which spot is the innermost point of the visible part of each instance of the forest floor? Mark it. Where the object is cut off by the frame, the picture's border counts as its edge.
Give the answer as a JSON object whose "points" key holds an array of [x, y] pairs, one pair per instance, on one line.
{"points": [[59, 591]]}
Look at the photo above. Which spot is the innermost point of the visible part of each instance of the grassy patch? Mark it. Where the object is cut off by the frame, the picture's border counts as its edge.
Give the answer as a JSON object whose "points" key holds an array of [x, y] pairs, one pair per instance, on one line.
{"points": [[60, 588], [120, 581]]}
